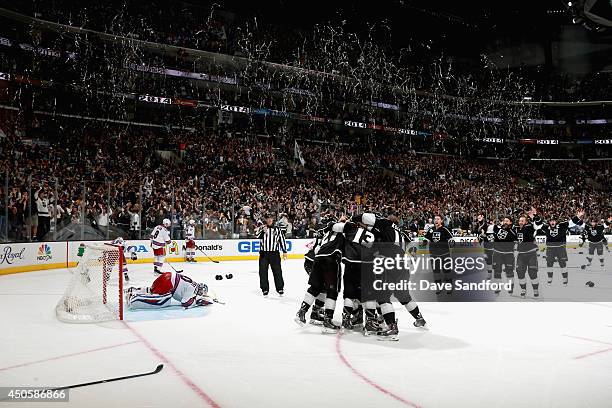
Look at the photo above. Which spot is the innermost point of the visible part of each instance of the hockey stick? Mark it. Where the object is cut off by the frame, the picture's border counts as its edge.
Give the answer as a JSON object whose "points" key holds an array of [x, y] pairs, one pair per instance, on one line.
{"points": [[175, 270], [209, 258], [157, 370]]}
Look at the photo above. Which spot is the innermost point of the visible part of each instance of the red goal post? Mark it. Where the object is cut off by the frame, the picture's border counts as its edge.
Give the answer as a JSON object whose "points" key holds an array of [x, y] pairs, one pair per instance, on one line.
{"points": [[95, 292]]}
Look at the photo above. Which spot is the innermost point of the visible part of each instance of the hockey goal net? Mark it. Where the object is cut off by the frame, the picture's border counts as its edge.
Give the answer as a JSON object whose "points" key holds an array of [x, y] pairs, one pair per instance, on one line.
{"points": [[95, 293]]}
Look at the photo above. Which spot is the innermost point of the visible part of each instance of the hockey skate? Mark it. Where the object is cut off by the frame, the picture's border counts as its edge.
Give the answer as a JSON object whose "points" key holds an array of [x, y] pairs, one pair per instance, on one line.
{"points": [[347, 320], [300, 317], [126, 277], [371, 327], [536, 293], [523, 293], [329, 327], [420, 323], [391, 334], [316, 316], [357, 319]]}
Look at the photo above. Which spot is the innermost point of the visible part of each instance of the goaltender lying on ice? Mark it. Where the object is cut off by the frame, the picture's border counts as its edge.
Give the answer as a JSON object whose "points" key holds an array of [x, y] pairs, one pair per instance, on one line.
{"points": [[428, 285], [168, 286]]}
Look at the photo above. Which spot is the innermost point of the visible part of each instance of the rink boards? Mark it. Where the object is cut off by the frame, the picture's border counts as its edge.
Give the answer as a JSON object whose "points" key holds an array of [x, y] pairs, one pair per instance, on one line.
{"points": [[25, 257]]}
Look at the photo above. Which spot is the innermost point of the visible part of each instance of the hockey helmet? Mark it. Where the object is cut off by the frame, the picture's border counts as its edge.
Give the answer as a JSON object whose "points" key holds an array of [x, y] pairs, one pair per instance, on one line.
{"points": [[201, 289]]}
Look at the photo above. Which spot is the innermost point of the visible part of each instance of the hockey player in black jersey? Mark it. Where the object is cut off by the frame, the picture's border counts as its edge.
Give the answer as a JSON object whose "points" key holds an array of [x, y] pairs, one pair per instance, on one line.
{"points": [[594, 234], [325, 256], [504, 237], [316, 316], [438, 238], [386, 231], [356, 256], [527, 248], [486, 239], [556, 244]]}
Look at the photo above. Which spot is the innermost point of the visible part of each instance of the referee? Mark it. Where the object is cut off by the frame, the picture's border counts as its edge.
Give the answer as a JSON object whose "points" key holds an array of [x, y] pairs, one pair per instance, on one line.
{"points": [[271, 240]]}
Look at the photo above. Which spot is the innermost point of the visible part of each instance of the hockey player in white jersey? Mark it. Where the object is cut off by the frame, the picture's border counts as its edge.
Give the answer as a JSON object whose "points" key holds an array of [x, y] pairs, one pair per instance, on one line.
{"points": [[121, 243], [160, 237], [168, 286], [190, 244]]}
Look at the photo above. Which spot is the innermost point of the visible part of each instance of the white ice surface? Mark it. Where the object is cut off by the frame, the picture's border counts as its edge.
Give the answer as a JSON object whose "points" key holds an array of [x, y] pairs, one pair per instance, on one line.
{"points": [[250, 353]]}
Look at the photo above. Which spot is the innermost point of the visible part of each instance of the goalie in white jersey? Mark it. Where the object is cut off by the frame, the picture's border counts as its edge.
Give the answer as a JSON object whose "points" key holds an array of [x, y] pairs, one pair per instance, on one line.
{"points": [[190, 244], [160, 237], [168, 286]]}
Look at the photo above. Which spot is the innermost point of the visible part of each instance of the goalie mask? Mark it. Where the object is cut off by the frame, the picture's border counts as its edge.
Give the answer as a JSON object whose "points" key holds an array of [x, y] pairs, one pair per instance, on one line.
{"points": [[201, 289]]}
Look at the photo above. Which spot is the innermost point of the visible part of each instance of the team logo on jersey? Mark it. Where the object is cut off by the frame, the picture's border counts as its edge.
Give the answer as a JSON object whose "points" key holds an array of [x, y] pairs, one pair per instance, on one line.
{"points": [[491, 237], [44, 253], [502, 234], [554, 232], [436, 237], [593, 232], [173, 248], [519, 237]]}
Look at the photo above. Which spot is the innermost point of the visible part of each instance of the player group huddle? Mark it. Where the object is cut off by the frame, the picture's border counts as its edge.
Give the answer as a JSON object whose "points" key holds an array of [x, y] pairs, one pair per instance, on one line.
{"points": [[349, 242]]}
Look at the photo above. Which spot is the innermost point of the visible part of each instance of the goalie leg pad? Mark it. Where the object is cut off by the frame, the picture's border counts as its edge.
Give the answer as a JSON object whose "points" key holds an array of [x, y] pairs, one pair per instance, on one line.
{"points": [[141, 301]]}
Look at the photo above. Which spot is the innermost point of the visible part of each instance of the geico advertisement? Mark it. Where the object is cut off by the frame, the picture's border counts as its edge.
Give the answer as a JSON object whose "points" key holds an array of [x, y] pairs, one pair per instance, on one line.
{"points": [[245, 247]]}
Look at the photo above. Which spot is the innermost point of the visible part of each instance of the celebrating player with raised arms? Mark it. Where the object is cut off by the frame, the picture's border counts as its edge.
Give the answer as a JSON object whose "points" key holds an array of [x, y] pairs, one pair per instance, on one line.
{"points": [[556, 243], [160, 237], [168, 286]]}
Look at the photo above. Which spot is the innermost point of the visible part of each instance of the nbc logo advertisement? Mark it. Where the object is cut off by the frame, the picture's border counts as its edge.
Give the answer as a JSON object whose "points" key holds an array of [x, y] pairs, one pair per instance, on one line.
{"points": [[44, 253]]}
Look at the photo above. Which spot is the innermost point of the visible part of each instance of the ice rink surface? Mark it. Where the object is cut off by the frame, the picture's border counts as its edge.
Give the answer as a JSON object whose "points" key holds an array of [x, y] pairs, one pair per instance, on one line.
{"points": [[250, 353]]}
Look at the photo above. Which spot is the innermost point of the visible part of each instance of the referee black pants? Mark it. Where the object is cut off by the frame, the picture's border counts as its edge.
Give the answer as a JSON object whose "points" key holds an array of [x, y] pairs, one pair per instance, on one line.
{"points": [[271, 258]]}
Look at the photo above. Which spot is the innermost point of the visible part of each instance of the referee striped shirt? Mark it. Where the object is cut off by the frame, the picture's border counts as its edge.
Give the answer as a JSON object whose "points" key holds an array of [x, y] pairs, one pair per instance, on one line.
{"points": [[271, 239]]}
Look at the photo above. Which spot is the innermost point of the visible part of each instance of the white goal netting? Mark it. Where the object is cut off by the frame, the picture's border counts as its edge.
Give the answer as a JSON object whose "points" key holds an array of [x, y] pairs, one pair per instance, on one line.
{"points": [[95, 293]]}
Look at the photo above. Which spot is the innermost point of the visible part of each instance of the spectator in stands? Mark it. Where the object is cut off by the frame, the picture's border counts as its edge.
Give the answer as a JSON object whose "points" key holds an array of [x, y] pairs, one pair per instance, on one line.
{"points": [[102, 218]]}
